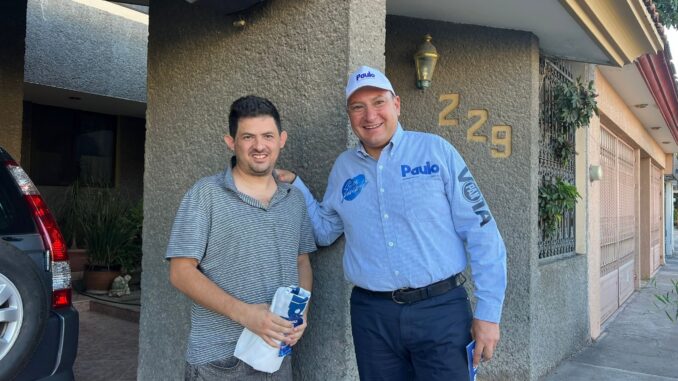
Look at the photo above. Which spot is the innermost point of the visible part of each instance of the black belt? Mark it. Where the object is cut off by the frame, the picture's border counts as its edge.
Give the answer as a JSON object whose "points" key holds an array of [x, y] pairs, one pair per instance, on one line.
{"points": [[413, 295]]}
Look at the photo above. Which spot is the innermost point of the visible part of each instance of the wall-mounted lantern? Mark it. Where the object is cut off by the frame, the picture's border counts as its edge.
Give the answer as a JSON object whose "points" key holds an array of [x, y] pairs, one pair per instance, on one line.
{"points": [[425, 60], [595, 172]]}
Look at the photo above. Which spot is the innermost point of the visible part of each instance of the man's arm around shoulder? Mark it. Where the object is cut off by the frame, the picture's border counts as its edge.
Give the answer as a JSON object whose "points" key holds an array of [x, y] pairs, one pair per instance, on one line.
{"points": [[327, 225], [185, 276]]}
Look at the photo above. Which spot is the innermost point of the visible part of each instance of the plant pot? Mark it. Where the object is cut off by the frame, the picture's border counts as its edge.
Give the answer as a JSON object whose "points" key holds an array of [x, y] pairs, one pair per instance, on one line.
{"points": [[98, 279], [78, 260]]}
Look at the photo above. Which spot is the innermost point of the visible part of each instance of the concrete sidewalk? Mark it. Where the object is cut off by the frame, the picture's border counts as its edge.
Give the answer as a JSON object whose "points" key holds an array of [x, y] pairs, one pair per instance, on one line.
{"points": [[639, 344]]}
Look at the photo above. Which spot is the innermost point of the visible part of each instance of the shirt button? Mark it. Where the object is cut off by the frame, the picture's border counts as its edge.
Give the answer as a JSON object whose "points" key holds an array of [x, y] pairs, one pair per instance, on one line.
{"points": [[391, 244], [381, 190], [385, 215], [397, 272], [381, 167]]}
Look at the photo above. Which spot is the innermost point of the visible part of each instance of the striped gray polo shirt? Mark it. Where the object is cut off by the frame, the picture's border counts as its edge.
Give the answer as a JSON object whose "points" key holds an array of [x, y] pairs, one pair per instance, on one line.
{"points": [[246, 248]]}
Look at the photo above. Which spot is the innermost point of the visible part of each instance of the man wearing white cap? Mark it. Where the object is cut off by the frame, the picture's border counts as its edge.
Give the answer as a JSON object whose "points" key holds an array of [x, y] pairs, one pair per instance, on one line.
{"points": [[411, 212]]}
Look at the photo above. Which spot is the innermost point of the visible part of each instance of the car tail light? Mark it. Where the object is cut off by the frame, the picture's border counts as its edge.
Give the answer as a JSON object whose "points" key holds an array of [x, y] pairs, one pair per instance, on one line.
{"points": [[61, 298], [51, 236]]}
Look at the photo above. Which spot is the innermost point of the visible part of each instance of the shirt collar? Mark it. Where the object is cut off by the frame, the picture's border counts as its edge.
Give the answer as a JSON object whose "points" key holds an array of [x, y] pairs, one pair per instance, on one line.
{"points": [[228, 175], [397, 137], [395, 142], [229, 183]]}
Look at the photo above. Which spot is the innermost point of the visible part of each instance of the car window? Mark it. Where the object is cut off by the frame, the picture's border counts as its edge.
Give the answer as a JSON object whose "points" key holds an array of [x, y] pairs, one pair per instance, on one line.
{"points": [[15, 217]]}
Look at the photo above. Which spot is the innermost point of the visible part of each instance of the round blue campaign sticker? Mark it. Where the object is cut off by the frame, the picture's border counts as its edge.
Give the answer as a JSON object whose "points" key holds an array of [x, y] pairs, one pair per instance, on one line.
{"points": [[353, 187]]}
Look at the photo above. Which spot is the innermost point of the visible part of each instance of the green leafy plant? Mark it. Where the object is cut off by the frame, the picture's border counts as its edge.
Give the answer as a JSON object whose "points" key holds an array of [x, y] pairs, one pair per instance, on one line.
{"points": [[135, 217], [111, 230], [555, 199], [68, 215], [667, 301], [575, 104], [668, 12], [563, 149]]}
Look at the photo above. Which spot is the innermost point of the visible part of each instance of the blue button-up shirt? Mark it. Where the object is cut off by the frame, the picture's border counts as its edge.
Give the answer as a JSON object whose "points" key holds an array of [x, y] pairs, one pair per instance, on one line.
{"points": [[410, 218]]}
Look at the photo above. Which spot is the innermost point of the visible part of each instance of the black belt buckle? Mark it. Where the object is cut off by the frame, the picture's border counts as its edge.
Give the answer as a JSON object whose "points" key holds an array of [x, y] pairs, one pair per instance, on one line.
{"points": [[413, 295]]}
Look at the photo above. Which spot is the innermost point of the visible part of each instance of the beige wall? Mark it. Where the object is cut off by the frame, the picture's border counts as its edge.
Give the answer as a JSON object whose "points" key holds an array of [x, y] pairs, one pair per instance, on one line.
{"points": [[593, 234], [624, 123], [668, 164]]}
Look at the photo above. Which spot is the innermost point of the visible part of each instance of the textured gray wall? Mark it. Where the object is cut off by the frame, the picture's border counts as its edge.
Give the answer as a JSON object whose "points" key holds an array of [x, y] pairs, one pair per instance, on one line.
{"points": [[12, 37], [78, 47], [496, 70], [559, 309], [298, 54]]}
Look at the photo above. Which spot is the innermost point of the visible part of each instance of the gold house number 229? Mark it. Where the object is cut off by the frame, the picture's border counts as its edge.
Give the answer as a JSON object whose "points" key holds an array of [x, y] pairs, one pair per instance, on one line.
{"points": [[500, 135]]}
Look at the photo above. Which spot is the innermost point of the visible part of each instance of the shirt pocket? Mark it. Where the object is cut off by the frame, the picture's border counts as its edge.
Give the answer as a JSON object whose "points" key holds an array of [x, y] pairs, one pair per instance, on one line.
{"points": [[424, 198]]}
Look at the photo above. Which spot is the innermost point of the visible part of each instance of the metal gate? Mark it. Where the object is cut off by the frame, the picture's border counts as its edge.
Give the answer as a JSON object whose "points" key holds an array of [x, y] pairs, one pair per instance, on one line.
{"points": [[554, 72], [655, 217], [617, 223]]}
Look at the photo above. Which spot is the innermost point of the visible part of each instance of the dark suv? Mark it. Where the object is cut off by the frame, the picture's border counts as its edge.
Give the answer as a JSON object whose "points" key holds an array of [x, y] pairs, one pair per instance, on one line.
{"points": [[38, 324]]}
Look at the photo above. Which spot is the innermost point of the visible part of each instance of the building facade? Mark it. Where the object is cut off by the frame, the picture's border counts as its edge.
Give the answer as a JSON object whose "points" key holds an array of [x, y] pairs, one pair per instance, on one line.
{"points": [[491, 97]]}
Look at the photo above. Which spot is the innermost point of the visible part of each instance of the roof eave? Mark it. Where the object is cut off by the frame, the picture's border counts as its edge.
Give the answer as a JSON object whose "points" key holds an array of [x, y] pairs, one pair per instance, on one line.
{"points": [[655, 70], [624, 30]]}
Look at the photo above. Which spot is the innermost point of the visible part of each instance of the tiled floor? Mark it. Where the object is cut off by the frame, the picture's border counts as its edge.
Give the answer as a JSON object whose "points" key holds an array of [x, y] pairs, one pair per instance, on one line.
{"points": [[107, 348]]}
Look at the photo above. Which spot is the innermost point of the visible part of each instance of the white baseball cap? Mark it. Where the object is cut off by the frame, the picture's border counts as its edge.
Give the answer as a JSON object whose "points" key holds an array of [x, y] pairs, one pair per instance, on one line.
{"points": [[367, 76]]}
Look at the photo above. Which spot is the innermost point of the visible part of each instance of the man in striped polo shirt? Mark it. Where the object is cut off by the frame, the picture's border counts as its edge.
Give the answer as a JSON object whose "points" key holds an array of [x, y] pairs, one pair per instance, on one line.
{"points": [[237, 237]]}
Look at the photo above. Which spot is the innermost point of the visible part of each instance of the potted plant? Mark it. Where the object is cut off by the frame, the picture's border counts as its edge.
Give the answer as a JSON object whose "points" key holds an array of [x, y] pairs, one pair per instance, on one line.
{"points": [[110, 233]]}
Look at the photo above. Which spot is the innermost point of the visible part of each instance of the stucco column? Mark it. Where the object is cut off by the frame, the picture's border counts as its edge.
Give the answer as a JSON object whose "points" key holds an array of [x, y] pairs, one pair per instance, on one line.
{"points": [[298, 54], [12, 46], [505, 166]]}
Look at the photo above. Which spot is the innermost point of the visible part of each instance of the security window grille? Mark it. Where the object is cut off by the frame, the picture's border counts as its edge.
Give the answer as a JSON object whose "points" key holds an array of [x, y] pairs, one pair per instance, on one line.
{"points": [[551, 167]]}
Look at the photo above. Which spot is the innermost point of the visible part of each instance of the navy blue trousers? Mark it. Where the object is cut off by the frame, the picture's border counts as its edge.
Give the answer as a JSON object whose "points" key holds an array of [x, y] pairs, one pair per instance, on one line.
{"points": [[424, 341]]}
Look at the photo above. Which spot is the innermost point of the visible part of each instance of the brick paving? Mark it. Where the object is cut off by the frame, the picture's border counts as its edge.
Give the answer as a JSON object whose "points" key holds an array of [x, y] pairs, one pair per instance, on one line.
{"points": [[108, 346]]}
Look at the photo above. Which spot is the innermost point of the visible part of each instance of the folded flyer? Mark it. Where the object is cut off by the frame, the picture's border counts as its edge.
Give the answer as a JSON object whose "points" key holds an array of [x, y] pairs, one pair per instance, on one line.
{"points": [[470, 349], [288, 303]]}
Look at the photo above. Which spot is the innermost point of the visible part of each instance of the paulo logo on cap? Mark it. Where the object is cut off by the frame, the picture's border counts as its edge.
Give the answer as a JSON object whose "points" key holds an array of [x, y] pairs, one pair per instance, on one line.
{"points": [[364, 75]]}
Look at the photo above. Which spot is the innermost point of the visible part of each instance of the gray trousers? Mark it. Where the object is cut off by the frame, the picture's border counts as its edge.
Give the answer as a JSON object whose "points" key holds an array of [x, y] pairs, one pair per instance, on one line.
{"points": [[233, 369]]}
